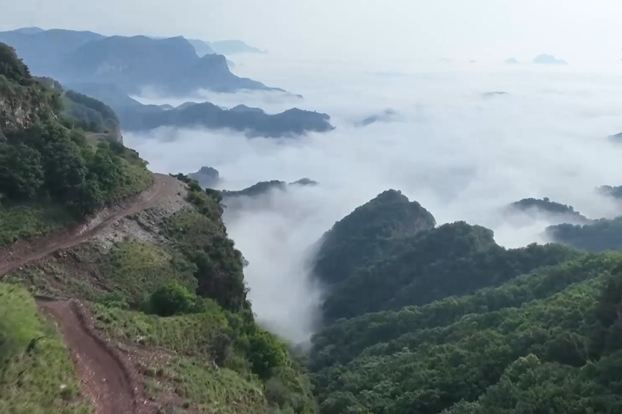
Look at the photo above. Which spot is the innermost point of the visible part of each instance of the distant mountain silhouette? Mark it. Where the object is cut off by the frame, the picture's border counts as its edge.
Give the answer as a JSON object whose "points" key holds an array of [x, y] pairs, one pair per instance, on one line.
{"points": [[201, 47], [388, 115], [545, 59], [42, 50], [171, 66], [207, 177], [254, 122], [511, 61], [547, 210], [233, 47], [494, 94]]}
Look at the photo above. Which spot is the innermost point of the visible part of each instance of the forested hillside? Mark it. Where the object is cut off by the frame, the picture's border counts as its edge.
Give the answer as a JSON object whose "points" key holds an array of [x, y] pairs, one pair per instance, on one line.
{"points": [[388, 254], [50, 173], [446, 320]]}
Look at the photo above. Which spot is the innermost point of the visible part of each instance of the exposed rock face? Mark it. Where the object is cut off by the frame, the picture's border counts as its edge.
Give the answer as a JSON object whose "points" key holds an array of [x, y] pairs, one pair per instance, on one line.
{"points": [[23, 101]]}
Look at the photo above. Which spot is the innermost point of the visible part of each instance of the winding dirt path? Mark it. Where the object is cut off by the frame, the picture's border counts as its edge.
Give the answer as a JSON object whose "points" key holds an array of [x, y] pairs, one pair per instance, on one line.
{"points": [[164, 186], [108, 378]]}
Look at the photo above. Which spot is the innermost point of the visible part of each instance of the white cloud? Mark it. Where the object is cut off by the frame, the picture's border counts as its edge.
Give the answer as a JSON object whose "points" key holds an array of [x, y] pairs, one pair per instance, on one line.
{"points": [[461, 156]]}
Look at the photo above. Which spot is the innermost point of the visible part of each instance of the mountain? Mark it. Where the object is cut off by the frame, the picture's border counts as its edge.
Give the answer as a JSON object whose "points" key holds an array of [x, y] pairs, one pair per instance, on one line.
{"points": [[598, 236], [388, 115], [511, 61], [170, 66], [118, 282], [609, 191], [263, 195], [446, 321], [548, 210], [388, 254], [43, 50], [494, 94], [545, 59], [207, 177], [254, 122], [233, 47], [135, 116], [201, 48]]}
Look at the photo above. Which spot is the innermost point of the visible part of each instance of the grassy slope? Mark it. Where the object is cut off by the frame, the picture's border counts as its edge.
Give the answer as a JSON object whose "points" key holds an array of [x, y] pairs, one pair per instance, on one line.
{"points": [[29, 221], [187, 369], [40, 381]]}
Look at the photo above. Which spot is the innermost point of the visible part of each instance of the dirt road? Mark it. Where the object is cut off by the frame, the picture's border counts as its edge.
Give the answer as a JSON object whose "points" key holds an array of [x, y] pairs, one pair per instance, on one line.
{"points": [[164, 186], [108, 379]]}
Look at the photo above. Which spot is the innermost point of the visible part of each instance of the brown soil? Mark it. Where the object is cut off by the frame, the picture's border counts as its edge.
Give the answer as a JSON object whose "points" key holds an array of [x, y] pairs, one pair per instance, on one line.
{"points": [[23, 253], [107, 376]]}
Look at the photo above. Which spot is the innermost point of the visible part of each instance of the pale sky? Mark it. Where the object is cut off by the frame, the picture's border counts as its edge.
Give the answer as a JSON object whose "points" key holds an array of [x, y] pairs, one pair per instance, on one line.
{"points": [[575, 30]]}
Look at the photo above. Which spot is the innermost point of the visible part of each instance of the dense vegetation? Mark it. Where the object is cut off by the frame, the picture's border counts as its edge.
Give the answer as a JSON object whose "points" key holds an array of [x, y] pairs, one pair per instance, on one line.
{"points": [[601, 235], [90, 114], [44, 164], [363, 236], [387, 254], [471, 349], [445, 320], [548, 207]]}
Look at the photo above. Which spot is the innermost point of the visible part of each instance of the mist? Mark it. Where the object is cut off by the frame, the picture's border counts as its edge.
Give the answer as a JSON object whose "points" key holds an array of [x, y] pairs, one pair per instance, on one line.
{"points": [[462, 155]]}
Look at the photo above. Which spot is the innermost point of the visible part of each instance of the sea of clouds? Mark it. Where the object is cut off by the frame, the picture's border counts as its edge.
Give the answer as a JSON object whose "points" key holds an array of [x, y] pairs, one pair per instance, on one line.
{"points": [[462, 154]]}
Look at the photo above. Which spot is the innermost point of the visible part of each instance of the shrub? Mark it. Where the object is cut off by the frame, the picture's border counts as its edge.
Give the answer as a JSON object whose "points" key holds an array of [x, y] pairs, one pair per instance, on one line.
{"points": [[171, 299]]}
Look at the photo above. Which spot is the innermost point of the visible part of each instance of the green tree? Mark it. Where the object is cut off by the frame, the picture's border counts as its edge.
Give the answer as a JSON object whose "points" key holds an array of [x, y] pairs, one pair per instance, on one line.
{"points": [[171, 299], [21, 173]]}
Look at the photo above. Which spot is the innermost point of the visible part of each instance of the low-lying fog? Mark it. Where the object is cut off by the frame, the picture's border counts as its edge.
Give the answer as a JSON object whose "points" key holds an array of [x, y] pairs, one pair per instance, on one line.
{"points": [[459, 152]]}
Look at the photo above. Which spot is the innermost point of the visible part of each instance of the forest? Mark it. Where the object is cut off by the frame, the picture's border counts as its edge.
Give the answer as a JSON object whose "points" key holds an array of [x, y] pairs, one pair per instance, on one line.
{"points": [[443, 320]]}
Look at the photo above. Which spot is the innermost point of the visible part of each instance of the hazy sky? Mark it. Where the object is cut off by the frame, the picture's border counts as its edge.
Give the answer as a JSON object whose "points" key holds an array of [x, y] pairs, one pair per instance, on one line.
{"points": [[574, 30]]}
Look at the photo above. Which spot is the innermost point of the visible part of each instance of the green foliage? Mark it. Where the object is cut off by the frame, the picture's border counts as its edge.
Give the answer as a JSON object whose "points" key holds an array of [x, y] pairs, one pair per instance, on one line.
{"points": [[12, 68], [363, 237], [545, 205], [172, 299], [543, 342], [453, 259], [47, 161], [31, 220], [36, 373], [601, 235], [237, 352], [136, 269], [89, 114], [266, 353], [201, 236]]}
